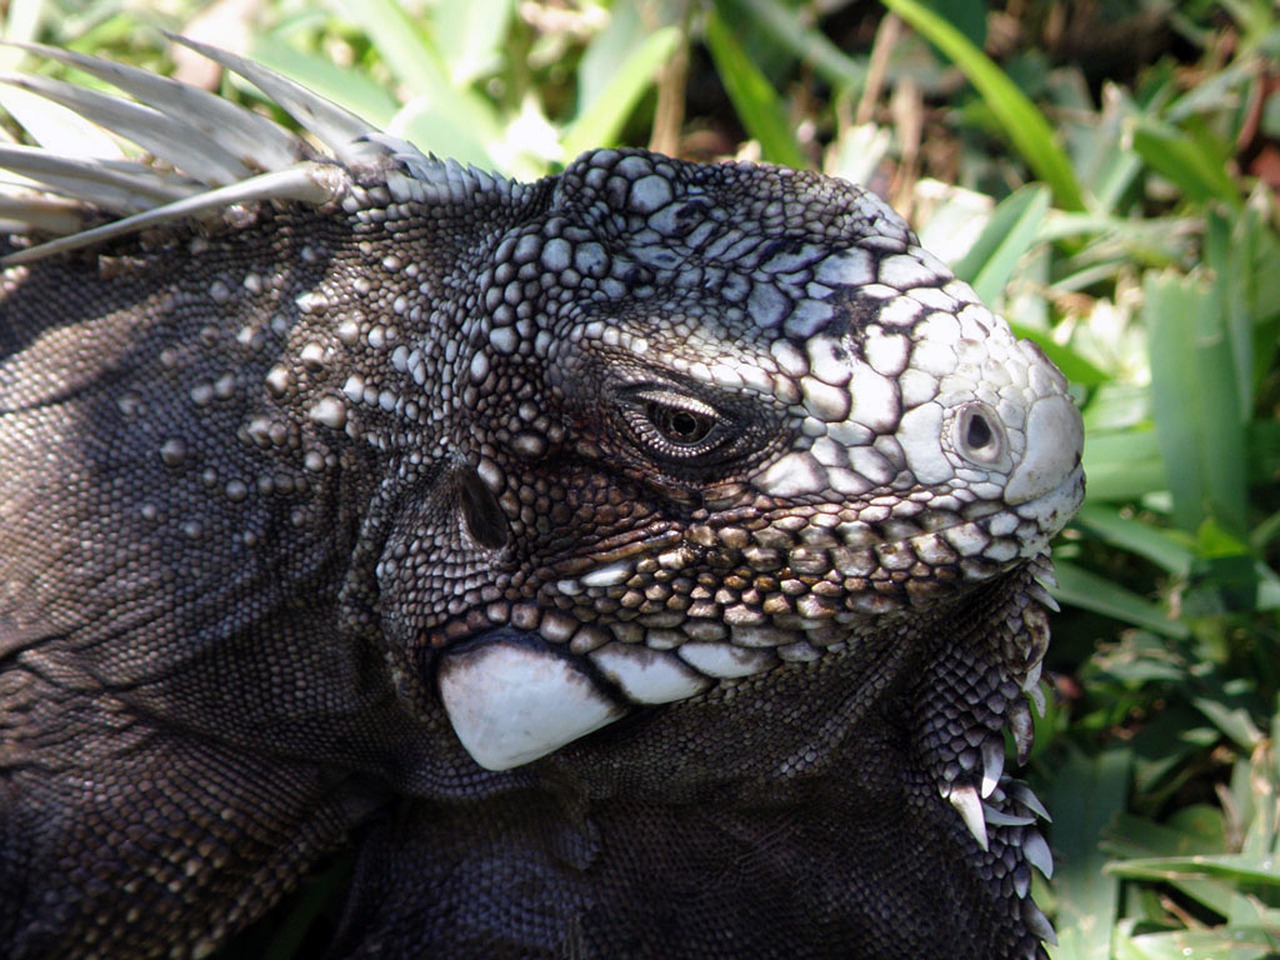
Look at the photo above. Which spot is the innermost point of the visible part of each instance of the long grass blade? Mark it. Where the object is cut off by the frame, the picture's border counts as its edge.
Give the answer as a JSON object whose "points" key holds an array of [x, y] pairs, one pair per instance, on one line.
{"points": [[756, 102], [1022, 122], [1196, 402], [602, 121], [1011, 232]]}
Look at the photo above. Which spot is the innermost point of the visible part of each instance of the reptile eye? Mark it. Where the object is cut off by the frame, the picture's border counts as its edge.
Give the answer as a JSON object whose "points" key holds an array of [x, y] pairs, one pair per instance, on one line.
{"points": [[484, 517], [685, 428], [674, 426]]}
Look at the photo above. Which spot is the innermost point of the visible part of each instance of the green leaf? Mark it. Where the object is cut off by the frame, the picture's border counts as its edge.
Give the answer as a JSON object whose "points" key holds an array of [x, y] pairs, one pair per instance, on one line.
{"points": [[1133, 838], [347, 88], [783, 27], [1086, 794], [1123, 465], [1009, 234], [1235, 722], [1195, 400], [22, 19], [1220, 943], [1237, 867], [967, 16], [756, 102], [1084, 589], [1108, 169], [442, 125], [401, 42], [1168, 549], [438, 117], [1024, 125], [1198, 169], [1073, 366], [602, 121], [470, 36]]}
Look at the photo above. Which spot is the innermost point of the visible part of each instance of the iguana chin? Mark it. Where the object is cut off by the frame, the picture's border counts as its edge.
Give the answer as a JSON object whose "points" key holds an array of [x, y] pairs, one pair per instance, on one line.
{"points": [[643, 562]]}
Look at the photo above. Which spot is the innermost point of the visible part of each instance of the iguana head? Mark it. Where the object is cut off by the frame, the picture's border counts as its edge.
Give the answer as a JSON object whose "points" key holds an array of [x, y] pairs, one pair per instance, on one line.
{"points": [[714, 450], [710, 421]]}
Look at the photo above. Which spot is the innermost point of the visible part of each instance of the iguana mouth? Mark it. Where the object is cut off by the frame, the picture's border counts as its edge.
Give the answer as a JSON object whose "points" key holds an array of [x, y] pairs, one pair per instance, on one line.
{"points": [[513, 698], [520, 680]]}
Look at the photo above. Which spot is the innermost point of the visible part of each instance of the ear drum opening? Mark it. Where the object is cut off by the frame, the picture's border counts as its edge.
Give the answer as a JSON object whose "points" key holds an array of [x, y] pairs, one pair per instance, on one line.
{"points": [[485, 520]]}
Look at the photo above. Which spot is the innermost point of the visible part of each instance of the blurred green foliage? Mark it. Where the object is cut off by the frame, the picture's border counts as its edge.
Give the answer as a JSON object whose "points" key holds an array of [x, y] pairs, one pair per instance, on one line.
{"points": [[1104, 174]]}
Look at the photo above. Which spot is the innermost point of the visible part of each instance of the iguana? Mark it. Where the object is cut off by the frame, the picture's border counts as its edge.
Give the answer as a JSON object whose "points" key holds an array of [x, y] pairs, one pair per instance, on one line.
{"points": [[648, 561]]}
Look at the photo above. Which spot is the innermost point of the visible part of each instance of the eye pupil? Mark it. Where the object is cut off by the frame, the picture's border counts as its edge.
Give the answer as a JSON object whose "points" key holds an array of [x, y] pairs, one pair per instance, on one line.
{"points": [[978, 434], [684, 427]]}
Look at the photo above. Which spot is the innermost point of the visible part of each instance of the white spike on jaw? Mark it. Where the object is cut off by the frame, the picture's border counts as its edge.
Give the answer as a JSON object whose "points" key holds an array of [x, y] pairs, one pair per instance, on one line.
{"points": [[1037, 853], [992, 765], [1039, 593], [1027, 797], [1038, 923], [511, 703], [998, 818], [965, 799], [1023, 729]]}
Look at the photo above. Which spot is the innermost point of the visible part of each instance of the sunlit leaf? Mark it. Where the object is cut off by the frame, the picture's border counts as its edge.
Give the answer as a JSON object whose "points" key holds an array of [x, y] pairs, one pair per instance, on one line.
{"points": [[781, 24], [471, 36], [401, 42], [753, 96], [1082, 588], [1085, 793], [1123, 465], [1010, 233], [1229, 866], [1197, 169], [1170, 549], [600, 124], [1195, 400]]}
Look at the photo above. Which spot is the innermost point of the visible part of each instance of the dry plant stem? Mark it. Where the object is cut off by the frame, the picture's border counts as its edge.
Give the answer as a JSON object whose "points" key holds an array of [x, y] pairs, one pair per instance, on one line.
{"points": [[906, 107], [668, 114], [887, 36]]}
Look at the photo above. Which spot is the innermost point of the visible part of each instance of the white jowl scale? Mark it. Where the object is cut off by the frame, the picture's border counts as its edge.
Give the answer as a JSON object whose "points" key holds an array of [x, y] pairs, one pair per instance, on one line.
{"points": [[510, 703]]}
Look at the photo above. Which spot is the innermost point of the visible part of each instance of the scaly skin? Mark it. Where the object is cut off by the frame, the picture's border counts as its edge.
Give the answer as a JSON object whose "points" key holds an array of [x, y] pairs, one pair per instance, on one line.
{"points": [[641, 562]]}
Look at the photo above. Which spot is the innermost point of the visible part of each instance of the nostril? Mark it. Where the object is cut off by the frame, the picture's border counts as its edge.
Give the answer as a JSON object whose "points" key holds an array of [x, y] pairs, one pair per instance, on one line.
{"points": [[979, 435]]}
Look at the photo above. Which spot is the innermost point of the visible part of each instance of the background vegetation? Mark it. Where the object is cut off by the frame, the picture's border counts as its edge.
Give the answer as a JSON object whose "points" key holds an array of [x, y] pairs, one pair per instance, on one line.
{"points": [[1103, 172]]}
